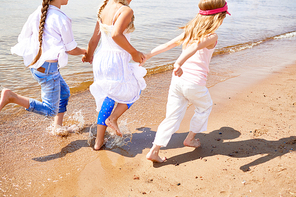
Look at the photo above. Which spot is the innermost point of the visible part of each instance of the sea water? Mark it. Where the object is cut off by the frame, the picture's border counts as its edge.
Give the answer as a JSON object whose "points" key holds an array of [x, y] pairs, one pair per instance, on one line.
{"points": [[253, 23]]}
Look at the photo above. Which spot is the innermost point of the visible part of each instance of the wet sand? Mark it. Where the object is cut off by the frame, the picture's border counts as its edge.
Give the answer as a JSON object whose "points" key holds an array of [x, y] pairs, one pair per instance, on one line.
{"points": [[248, 150]]}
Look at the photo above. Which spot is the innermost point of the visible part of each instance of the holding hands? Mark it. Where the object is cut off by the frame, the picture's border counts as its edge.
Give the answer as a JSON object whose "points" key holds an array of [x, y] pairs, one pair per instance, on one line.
{"points": [[138, 57], [87, 58], [146, 57]]}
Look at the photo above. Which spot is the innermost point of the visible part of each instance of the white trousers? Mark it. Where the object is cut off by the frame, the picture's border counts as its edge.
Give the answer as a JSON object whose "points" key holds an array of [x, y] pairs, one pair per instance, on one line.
{"points": [[181, 92]]}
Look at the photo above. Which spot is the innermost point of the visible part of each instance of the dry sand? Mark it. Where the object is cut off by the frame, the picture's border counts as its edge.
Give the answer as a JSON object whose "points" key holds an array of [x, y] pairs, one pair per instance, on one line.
{"points": [[248, 150]]}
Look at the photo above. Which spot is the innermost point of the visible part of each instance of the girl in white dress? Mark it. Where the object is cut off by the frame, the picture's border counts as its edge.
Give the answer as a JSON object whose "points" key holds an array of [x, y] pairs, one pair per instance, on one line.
{"points": [[115, 79]]}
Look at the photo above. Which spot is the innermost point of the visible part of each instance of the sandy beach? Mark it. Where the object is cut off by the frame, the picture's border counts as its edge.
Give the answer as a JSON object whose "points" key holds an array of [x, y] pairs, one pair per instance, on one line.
{"points": [[248, 150]]}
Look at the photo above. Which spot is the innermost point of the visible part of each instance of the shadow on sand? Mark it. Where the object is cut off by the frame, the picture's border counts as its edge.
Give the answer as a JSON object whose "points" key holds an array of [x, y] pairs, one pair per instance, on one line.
{"points": [[214, 143]]}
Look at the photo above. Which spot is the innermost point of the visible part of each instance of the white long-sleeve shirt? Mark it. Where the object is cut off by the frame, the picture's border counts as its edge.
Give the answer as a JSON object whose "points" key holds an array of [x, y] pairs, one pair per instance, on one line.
{"points": [[57, 38]]}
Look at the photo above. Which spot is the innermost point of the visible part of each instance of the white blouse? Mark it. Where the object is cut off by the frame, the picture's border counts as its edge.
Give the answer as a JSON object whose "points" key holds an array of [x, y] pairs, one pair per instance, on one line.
{"points": [[57, 38]]}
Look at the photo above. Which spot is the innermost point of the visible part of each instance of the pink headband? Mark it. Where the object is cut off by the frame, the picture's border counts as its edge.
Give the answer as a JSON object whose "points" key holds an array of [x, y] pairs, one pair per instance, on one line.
{"points": [[215, 11]]}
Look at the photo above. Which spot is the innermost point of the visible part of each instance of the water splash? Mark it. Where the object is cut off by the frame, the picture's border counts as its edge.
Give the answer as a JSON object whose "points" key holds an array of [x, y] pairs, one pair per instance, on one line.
{"points": [[92, 134], [72, 124], [111, 139]]}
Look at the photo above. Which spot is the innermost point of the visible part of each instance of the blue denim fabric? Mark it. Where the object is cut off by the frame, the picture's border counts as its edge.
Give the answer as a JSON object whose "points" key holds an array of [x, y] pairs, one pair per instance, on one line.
{"points": [[106, 109], [55, 92]]}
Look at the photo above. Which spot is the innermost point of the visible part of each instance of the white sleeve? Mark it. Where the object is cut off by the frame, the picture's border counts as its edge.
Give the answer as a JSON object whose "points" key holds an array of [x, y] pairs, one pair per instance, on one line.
{"points": [[67, 35], [27, 29]]}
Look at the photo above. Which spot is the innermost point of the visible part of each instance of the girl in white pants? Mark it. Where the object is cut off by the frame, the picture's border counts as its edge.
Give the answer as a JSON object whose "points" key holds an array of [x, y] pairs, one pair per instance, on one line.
{"points": [[189, 76], [181, 92]]}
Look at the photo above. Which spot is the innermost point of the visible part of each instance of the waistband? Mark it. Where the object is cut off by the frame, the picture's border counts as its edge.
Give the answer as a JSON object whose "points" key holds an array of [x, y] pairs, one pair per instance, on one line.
{"points": [[49, 67]]}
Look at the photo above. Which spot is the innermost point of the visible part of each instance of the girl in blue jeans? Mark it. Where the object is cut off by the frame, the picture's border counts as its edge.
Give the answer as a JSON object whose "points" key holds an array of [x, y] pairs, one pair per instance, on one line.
{"points": [[45, 42]]}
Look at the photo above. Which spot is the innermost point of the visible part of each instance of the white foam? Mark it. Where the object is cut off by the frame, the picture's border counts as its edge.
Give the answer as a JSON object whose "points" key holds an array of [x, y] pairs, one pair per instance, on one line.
{"points": [[245, 46], [75, 125], [288, 35]]}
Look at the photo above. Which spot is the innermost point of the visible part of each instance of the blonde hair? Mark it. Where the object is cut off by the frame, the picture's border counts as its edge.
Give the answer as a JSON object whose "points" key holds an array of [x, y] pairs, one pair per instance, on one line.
{"points": [[131, 26], [44, 9], [202, 25]]}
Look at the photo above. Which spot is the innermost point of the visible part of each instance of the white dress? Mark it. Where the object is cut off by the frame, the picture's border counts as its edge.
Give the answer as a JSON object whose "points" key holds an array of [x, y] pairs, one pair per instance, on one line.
{"points": [[114, 76]]}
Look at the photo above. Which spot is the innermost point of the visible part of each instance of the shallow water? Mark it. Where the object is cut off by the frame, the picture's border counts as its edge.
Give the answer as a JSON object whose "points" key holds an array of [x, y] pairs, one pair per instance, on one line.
{"points": [[252, 23]]}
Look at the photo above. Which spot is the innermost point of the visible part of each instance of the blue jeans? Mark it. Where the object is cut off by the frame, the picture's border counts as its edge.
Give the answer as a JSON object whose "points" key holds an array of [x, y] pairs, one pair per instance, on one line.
{"points": [[55, 92]]}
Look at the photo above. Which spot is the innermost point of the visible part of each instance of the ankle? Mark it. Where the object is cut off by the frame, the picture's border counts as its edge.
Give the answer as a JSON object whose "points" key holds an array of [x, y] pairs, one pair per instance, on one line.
{"points": [[113, 119], [99, 141], [191, 136], [155, 149]]}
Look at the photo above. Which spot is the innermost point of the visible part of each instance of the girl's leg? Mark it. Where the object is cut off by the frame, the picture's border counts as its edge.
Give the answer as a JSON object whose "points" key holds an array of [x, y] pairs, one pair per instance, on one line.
{"points": [[7, 96], [153, 154], [112, 120], [58, 119], [106, 109], [200, 97], [101, 129], [64, 98], [50, 90], [190, 140], [175, 111], [119, 110]]}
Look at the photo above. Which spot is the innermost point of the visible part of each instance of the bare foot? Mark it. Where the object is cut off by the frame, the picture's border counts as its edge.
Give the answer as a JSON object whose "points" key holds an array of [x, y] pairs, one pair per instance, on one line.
{"points": [[113, 125], [153, 156], [99, 144], [5, 98], [192, 142]]}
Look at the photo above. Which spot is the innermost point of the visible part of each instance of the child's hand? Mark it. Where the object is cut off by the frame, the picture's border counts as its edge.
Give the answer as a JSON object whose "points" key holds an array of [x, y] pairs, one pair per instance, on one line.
{"points": [[147, 56], [138, 57], [83, 59], [84, 51], [177, 70], [87, 58]]}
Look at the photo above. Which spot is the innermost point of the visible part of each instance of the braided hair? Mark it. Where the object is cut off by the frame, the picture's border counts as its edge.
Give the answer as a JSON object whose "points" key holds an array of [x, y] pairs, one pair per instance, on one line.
{"points": [[101, 8], [44, 9], [131, 26]]}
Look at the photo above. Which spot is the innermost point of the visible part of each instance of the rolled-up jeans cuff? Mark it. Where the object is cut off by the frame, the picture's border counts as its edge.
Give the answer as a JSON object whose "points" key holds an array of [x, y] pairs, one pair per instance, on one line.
{"points": [[62, 110], [31, 105], [36, 107]]}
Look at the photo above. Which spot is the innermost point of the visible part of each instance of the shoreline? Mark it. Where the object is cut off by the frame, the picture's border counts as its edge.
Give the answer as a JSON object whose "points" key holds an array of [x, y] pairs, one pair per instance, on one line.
{"points": [[252, 155]]}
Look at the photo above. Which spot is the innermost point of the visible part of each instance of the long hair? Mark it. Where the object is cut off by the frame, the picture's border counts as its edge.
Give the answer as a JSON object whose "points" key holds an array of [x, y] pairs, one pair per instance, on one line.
{"points": [[131, 26], [44, 9], [203, 25]]}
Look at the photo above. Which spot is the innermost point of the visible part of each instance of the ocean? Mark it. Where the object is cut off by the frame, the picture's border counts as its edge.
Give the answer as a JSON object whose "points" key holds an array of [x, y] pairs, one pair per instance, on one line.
{"points": [[255, 28]]}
